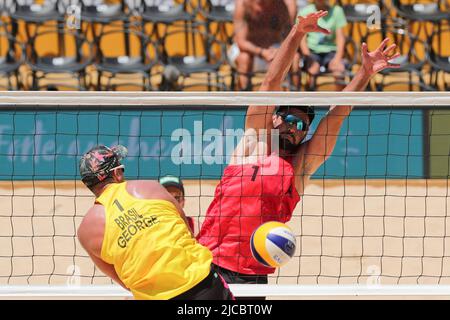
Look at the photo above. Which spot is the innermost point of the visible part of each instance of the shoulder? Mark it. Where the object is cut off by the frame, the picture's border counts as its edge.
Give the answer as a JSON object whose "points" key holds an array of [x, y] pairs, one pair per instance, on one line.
{"points": [[337, 11], [152, 184], [338, 15], [290, 4], [241, 6], [94, 216], [144, 186], [147, 189]]}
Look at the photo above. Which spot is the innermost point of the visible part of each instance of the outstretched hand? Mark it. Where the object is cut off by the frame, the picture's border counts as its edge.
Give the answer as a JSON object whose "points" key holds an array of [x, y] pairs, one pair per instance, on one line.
{"points": [[309, 22], [378, 60]]}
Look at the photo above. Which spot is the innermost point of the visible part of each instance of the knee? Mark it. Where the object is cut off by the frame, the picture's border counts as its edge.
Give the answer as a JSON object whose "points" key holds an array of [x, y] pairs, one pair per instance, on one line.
{"points": [[337, 68], [314, 68], [244, 61]]}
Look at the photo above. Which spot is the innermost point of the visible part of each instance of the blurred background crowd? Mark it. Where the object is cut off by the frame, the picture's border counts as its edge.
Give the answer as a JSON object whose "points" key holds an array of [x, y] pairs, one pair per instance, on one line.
{"points": [[215, 45]]}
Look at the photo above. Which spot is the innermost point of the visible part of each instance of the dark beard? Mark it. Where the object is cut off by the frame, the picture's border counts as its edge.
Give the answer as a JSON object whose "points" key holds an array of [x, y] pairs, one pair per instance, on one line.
{"points": [[287, 146]]}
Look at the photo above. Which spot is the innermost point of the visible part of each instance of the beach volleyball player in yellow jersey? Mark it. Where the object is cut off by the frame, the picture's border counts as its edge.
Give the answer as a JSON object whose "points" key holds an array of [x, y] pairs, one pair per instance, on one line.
{"points": [[136, 233]]}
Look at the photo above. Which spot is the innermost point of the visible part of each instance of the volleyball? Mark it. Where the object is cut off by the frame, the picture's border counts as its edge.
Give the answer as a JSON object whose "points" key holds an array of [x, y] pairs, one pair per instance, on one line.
{"points": [[273, 244]]}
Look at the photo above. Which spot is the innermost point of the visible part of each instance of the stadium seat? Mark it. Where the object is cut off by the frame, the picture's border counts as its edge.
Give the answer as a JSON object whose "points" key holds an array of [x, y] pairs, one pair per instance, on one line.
{"points": [[101, 13], [166, 11], [116, 64], [359, 14], [203, 56], [218, 17], [162, 14], [11, 58], [72, 54], [220, 13], [404, 85], [435, 12], [413, 56], [5, 19], [36, 14], [98, 15], [439, 53]]}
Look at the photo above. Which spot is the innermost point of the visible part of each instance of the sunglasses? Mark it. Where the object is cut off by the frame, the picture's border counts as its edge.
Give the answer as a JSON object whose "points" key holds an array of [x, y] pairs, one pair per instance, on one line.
{"points": [[292, 120], [118, 167]]}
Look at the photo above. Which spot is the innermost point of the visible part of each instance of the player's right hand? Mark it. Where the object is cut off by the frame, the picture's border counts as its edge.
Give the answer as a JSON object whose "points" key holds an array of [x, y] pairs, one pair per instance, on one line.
{"points": [[309, 23]]}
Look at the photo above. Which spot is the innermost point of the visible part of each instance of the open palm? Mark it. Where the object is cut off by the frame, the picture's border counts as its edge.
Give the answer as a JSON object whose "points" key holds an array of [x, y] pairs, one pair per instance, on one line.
{"points": [[378, 59], [309, 22]]}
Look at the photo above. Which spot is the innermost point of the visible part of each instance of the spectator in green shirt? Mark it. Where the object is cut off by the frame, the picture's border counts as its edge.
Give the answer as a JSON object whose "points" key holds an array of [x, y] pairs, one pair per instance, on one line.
{"points": [[323, 52]]}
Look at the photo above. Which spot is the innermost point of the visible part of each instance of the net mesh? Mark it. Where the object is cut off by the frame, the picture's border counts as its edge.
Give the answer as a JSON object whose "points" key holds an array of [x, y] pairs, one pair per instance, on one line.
{"points": [[376, 211]]}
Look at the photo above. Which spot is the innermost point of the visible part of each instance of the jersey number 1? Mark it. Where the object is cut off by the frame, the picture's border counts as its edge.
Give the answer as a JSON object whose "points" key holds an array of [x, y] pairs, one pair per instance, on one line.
{"points": [[117, 203]]}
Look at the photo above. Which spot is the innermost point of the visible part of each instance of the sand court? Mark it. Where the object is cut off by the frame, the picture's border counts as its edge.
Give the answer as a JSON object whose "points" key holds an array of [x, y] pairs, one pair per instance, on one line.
{"points": [[348, 232]]}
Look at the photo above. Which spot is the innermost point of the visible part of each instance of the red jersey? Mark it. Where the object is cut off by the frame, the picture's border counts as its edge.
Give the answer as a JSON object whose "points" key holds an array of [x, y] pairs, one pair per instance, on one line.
{"points": [[247, 196]]}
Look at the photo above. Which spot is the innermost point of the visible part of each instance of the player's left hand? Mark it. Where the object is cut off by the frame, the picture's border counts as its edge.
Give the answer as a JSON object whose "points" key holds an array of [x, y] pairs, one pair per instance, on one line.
{"points": [[378, 60], [309, 23]]}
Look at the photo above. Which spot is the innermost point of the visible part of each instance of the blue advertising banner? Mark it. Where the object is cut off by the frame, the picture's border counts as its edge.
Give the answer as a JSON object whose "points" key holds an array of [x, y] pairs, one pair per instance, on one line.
{"points": [[47, 145]]}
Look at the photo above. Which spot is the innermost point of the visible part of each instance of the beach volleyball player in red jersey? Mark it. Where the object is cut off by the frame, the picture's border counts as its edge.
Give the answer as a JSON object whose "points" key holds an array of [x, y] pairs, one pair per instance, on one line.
{"points": [[263, 184]]}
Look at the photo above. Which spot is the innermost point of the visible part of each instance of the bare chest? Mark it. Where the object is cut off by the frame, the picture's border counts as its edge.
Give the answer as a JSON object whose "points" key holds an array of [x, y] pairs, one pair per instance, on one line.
{"points": [[271, 26]]}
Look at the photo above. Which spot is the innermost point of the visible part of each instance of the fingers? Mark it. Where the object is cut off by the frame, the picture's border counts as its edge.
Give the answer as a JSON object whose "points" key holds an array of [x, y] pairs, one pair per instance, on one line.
{"points": [[365, 50], [394, 65], [395, 56], [321, 13], [309, 22], [383, 44], [389, 49], [323, 30], [316, 15]]}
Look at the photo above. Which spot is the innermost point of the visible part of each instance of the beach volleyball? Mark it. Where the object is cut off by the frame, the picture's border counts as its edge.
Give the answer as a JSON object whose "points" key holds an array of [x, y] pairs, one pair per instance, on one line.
{"points": [[273, 244]]}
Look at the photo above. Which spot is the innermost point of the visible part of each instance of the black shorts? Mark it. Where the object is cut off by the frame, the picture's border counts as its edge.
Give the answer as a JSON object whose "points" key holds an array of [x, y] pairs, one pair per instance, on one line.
{"points": [[322, 58], [239, 278], [213, 287]]}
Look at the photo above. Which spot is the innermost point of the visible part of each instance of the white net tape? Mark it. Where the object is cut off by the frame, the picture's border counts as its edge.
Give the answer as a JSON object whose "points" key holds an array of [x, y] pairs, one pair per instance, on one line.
{"points": [[30, 98]]}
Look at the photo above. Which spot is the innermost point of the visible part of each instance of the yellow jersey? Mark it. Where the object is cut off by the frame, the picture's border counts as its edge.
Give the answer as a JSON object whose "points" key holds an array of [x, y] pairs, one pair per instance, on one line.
{"points": [[150, 245]]}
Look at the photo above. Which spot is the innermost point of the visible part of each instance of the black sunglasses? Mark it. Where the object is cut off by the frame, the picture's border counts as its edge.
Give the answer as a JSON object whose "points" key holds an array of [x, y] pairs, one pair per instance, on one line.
{"points": [[290, 119]]}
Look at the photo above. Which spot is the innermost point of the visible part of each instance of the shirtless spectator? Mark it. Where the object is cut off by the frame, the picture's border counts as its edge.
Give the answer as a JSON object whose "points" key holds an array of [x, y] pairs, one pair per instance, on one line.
{"points": [[260, 27]]}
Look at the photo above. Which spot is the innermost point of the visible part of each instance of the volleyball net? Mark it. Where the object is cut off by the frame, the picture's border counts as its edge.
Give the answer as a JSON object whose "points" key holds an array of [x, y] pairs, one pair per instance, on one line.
{"points": [[374, 219]]}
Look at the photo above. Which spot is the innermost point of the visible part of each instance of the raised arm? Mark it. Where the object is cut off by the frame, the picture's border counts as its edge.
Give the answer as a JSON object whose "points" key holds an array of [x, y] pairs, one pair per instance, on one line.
{"points": [[259, 117], [317, 150]]}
